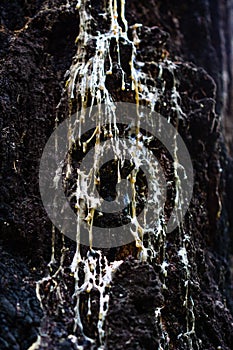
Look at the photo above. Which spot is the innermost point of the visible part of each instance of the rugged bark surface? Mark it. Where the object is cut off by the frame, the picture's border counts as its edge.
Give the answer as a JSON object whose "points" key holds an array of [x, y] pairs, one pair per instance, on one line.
{"points": [[37, 45]]}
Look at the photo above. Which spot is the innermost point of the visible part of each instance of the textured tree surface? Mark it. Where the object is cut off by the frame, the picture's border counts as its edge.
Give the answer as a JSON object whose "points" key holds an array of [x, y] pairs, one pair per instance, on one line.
{"points": [[37, 44]]}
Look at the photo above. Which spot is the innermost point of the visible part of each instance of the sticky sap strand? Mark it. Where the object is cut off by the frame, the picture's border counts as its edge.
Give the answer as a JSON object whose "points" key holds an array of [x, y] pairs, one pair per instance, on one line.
{"points": [[188, 301], [90, 76], [144, 93], [97, 82], [99, 282]]}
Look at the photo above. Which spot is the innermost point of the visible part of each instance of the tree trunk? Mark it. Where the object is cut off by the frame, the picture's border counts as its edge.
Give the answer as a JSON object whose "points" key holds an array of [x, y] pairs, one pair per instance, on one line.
{"points": [[180, 298]]}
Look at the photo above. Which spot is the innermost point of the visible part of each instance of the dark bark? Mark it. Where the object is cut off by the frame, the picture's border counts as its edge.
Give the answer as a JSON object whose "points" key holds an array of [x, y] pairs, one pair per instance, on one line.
{"points": [[37, 45]]}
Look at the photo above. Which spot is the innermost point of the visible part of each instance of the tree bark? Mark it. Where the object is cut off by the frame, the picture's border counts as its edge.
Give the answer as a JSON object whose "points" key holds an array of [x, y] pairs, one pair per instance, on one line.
{"points": [[37, 41]]}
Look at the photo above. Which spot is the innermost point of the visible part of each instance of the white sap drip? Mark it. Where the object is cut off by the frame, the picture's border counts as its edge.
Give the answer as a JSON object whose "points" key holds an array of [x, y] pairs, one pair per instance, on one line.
{"points": [[88, 77]]}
